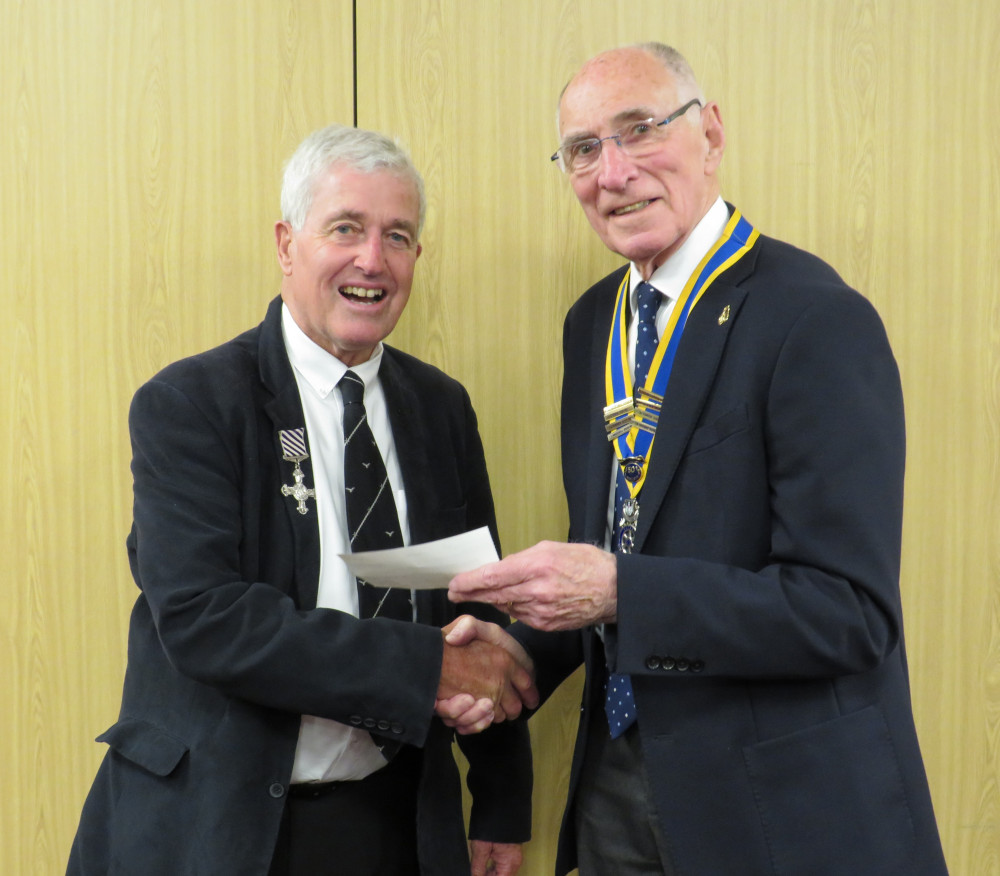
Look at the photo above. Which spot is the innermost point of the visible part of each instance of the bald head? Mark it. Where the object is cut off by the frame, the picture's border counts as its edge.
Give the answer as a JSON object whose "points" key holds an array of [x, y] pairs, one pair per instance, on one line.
{"points": [[605, 63]]}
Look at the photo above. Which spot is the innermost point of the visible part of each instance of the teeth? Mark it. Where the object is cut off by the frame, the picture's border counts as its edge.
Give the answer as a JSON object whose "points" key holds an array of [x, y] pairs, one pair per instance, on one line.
{"points": [[631, 208], [361, 292]]}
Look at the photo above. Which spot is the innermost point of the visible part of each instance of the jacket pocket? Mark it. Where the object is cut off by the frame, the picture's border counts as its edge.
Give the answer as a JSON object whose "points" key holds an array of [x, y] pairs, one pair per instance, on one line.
{"points": [[732, 422], [831, 799], [145, 745]]}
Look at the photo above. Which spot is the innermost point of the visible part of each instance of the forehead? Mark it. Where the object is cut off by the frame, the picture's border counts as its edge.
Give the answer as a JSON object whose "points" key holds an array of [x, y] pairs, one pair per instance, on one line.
{"points": [[384, 194], [614, 87]]}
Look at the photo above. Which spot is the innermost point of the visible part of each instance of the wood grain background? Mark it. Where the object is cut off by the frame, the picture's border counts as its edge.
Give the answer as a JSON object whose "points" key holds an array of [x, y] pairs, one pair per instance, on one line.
{"points": [[140, 151]]}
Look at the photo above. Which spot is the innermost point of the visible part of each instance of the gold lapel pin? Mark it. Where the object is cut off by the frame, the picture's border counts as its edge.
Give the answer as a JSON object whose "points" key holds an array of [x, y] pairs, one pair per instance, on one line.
{"points": [[724, 316]]}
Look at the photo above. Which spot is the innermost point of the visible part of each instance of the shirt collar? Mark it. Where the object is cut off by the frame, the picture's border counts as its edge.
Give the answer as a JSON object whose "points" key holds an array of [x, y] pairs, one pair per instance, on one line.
{"points": [[671, 277], [320, 369]]}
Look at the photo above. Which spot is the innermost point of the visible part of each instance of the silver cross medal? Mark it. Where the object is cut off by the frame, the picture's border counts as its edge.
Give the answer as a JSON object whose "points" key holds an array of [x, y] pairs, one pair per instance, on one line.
{"points": [[293, 449]]}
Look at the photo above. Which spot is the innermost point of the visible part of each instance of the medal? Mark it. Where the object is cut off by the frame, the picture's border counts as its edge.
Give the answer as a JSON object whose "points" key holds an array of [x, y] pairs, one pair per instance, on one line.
{"points": [[293, 449], [627, 525]]}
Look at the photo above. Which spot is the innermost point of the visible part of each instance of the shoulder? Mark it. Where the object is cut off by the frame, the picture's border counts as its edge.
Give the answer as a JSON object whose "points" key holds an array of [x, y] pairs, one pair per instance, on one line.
{"points": [[787, 282], [598, 295], [219, 385], [218, 370], [777, 258]]}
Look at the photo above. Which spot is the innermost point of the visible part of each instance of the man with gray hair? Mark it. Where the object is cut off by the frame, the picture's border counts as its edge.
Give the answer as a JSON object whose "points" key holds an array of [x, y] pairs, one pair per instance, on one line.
{"points": [[733, 443], [278, 715]]}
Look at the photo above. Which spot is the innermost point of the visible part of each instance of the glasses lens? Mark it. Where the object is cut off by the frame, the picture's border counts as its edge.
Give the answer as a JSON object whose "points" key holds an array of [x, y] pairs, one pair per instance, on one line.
{"points": [[581, 155], [638, 136]]}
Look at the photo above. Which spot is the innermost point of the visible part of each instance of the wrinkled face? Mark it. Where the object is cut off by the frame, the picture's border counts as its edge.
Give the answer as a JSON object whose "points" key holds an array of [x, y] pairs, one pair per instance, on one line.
{"points": [[348, 270], [642, 208]]}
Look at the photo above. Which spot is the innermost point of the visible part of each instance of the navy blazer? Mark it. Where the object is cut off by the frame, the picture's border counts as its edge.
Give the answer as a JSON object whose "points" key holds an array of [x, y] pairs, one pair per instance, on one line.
{"points": [[227, 650], [759, 615]]}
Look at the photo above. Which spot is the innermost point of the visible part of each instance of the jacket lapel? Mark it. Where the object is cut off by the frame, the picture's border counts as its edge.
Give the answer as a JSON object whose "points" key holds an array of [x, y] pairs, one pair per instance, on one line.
{"points": [[284, 410], [695, 367], [405, 419]]}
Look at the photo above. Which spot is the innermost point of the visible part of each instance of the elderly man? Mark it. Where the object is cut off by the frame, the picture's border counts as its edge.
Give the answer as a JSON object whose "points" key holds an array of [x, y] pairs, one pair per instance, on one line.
{"points": [[278, 715], [733, 442]]}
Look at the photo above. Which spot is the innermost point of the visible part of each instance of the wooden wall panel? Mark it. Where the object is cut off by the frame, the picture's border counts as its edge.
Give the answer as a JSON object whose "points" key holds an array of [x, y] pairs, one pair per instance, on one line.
{"points": [[864, 131], [140, 157], [139, 164]]}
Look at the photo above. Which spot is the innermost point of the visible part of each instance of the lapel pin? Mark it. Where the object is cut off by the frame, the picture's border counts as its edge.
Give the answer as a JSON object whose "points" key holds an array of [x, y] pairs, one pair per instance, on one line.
{"points": [[724, 316]]}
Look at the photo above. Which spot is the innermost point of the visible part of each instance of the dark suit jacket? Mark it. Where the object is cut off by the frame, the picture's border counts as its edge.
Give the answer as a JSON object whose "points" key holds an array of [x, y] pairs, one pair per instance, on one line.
{"points": [[227, 649], [759, 615]]}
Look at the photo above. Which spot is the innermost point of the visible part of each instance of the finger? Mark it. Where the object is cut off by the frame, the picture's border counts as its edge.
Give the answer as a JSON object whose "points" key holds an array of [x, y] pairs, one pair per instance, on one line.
{"points": [[509, 703], [516, 650], [454, 707], [480, 856], [471, 720], [526, 690], [462, 630], [480, 585], [464, 729]]}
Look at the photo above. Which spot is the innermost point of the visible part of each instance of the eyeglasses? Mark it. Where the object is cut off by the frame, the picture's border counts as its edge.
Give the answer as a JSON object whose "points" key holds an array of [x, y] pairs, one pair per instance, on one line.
{"points": [[636, 139]]}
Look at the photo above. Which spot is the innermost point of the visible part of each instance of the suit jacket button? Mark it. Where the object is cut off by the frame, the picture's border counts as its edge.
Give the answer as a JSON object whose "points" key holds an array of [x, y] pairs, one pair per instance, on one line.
{"points": [[383, 725], [355, 720], [397, 728], [369, 723], [697, 665], [653, 662], [669, 663], [683, 664], [276, 790]]}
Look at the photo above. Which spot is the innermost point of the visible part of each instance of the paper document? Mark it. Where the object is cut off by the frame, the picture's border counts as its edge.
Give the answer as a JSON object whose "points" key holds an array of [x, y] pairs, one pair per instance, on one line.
{"points": [[424, 566]]}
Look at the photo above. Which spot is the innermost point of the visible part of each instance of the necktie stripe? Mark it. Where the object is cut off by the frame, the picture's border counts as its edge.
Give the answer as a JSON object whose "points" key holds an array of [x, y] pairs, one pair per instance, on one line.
{"points": [[372, 521]]}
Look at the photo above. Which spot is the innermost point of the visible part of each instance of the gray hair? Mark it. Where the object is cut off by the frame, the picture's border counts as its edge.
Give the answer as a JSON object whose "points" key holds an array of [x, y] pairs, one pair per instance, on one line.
{"points": [[361, 150], [680, 69]]}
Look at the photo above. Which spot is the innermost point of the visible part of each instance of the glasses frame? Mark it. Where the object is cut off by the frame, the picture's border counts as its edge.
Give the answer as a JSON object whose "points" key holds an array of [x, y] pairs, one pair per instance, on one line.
{"points": [[597, 141]]}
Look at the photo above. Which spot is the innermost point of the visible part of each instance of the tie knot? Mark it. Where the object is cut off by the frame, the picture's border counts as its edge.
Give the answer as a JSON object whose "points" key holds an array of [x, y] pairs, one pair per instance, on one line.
{"points": [[352, 388], [648, 302]]}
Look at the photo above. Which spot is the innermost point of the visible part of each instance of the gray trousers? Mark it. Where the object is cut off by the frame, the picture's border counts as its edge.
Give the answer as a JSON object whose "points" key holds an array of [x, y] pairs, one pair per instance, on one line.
{"points": [[617, 827]]}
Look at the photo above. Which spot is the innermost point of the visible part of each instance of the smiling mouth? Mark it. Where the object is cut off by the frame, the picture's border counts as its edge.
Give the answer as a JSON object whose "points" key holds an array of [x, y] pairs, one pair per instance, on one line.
{"points": [[362, 294], [631, 208]]}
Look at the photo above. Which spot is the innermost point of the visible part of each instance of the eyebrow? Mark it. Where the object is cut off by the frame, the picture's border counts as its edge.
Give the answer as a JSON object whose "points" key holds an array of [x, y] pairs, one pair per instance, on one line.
{"points": [[631, 114], [361, 218]]}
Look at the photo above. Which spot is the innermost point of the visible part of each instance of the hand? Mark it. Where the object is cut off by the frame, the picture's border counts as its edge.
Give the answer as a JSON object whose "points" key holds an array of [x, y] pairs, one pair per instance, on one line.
{"points": [[464, 712], [551, 586], [486, 677], [505, 858]]}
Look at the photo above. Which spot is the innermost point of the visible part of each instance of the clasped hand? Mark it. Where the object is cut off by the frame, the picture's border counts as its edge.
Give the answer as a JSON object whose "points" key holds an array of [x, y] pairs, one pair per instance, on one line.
{"points": [[486, 676]]}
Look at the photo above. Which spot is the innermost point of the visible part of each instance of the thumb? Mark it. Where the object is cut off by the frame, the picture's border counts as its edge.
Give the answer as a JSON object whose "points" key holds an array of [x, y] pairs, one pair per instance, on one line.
{"points": [[461, 631]]}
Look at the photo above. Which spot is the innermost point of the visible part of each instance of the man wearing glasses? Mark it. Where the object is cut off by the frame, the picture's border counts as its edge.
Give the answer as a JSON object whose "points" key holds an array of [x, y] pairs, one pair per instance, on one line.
{"points": [[733, 446]]}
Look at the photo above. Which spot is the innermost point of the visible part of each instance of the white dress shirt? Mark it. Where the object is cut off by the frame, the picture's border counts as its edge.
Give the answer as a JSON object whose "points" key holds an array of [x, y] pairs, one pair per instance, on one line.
{"points": [[328, 750]]}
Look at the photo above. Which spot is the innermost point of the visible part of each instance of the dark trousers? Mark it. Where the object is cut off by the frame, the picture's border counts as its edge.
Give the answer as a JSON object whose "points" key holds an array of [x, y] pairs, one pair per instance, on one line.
{"points": [[617, 827], [362, 828]]}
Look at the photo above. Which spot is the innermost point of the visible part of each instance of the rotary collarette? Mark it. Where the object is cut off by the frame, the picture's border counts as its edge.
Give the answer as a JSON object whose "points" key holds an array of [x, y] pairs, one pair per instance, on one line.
{"points": [[631, 416]]}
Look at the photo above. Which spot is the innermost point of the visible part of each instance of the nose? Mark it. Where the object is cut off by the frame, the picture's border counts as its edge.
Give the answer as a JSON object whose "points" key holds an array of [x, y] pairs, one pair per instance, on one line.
{"points": [[616, 168], [370, 258]]}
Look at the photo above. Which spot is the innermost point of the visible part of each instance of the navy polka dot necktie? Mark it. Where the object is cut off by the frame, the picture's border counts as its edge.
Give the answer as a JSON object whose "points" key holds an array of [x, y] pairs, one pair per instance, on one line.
{"points": [[619, 702]]}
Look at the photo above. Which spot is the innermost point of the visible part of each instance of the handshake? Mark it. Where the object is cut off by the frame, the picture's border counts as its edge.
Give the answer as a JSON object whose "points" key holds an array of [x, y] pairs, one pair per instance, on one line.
{"points": [[486, 676]]}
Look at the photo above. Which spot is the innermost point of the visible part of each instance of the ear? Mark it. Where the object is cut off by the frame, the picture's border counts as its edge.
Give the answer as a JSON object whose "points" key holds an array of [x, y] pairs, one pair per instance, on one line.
{"points": [[420, 249], [283, 240], [715, 137]]}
